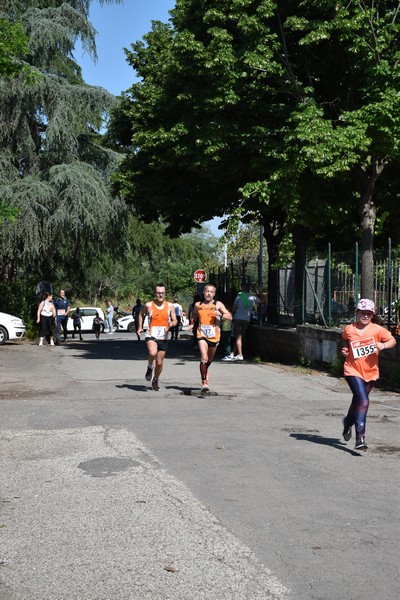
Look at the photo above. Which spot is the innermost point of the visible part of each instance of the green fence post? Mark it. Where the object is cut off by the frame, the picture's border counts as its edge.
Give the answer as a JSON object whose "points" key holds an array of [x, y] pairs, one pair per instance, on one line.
{"points": [[329, 287], [389, 283]]}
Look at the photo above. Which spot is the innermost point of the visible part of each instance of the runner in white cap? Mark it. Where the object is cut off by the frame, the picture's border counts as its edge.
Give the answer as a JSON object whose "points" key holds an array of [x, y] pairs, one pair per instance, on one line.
{"points": [[363, 342]]}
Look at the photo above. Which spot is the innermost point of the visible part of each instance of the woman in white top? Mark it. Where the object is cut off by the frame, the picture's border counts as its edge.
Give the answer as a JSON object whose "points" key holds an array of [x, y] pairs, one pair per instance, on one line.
{"points": [[45, 317]]}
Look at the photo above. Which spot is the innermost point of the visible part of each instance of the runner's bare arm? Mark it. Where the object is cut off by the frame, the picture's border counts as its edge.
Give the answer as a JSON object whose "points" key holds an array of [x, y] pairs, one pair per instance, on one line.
{"points": [[194, 314], [390, 343], [142, 314], [223, 311], [172, 316], [345, 349]]}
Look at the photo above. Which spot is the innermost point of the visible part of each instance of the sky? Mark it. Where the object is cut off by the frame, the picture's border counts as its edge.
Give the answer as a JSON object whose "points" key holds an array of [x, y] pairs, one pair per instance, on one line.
{"points": [[118, 26]]}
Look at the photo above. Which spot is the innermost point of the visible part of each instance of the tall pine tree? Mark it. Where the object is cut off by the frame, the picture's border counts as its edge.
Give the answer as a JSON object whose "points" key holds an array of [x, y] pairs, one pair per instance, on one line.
{"points": [[53, 168]]}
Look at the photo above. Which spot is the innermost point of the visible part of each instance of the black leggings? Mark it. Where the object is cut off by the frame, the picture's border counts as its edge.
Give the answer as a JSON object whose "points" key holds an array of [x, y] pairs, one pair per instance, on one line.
{"points": [[46, 326]]}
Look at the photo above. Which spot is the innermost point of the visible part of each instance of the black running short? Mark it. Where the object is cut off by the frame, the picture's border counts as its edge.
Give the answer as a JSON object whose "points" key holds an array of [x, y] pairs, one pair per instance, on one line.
{"points": [[212, 344], [161, 344]]}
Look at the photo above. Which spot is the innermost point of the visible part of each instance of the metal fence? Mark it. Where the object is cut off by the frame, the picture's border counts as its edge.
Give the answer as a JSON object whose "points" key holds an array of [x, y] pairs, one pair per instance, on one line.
{"points": [[331, 288]]}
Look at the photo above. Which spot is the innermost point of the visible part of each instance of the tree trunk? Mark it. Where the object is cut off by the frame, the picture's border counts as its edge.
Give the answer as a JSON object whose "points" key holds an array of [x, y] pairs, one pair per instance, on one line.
{"points": [[368, 217], [273, 225], [367, 213]]}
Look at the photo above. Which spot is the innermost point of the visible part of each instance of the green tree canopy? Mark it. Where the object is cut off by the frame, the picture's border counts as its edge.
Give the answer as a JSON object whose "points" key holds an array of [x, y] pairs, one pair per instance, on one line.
{"points": [[286, 111], [13, 47]]}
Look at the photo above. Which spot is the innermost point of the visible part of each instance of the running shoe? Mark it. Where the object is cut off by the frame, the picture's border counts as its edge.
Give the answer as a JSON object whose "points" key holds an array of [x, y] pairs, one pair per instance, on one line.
{"points": [[238, 357], [204, 386], [361, 444], [228, 357], [346, 430], [154, 385], [149, 373]]}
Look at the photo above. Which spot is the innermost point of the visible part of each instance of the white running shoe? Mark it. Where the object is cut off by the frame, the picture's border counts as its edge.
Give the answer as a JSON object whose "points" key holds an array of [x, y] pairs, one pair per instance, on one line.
{"points": [[228, 357], [204, 386], [238, 357]]}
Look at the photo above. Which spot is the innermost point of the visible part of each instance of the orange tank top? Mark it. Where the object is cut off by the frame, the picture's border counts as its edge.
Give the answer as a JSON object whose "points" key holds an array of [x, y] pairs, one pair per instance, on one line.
{"points": [[159, 321], [208, 323]]}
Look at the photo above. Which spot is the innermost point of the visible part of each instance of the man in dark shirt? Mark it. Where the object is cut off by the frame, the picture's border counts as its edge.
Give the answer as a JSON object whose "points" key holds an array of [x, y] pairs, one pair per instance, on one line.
{"points": [[62, 306]]}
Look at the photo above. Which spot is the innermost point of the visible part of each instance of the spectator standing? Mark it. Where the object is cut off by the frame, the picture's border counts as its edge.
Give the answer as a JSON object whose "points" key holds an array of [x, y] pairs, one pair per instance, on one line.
{"points": [[97, 325], [226, 336], [62, 306], [242, 309], [77, 321], [161, 316], [178, 315], [110, 316], [135, 314], [363, 342], [45, 317]]}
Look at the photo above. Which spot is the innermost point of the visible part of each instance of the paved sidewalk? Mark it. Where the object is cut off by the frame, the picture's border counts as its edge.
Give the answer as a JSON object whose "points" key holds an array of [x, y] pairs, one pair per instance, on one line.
{"points": [[111, 490]]}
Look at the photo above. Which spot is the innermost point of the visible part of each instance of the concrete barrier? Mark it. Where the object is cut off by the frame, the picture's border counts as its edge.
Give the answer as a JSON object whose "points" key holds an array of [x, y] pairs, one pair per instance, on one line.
{"points": [[314, 344]]}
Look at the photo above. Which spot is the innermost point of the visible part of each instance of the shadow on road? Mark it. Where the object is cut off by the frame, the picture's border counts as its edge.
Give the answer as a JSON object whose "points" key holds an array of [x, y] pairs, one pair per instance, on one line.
{"points": [[128, 349], [135, 388], [324, 441]]}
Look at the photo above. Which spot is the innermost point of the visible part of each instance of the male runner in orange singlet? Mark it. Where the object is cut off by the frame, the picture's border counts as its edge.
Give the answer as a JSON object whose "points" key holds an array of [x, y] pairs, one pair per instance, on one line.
{"points": [[209, 314], [162, 317]]}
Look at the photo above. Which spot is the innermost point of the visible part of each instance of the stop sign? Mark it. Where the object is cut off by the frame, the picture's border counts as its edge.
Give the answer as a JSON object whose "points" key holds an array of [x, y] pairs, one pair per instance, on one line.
{"points": [[200, 276]]}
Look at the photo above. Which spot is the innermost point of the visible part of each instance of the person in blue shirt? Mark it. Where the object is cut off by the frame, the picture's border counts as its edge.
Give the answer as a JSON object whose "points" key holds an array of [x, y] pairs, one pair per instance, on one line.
{"points": [[62, 306], [110, 316]]}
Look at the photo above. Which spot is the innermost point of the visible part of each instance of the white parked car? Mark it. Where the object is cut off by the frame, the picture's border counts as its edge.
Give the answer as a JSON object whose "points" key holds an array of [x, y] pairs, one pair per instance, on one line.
{"points": [[88, 313], [126, 323], [11, 328]]}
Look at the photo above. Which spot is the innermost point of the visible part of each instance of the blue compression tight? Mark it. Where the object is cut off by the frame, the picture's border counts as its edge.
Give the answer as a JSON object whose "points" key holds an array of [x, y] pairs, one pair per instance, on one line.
{"points": [[357, 414]]}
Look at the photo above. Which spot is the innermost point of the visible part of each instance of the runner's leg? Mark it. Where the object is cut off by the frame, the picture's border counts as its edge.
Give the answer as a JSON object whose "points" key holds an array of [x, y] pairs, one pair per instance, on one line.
{"points": [[358, 410]]}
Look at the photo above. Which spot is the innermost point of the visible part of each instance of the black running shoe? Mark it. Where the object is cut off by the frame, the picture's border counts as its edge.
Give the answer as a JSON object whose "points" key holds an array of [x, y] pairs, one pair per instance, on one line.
{"points": [[361, 444], [149, 373], [155, 385], [346, 430]]}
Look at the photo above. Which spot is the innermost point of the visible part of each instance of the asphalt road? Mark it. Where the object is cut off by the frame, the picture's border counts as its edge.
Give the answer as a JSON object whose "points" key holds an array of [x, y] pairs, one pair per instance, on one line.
{"points": [[111, 491]]}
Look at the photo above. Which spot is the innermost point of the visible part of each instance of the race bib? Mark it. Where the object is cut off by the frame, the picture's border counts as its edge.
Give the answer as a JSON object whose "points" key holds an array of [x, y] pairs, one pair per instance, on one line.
{"points": [[363, 347], [60, 312], [159, 333], [208, 331]]}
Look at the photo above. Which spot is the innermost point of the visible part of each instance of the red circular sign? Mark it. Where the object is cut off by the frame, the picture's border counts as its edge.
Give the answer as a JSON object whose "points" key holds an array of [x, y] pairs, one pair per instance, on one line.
{"points": [[200, 276]]}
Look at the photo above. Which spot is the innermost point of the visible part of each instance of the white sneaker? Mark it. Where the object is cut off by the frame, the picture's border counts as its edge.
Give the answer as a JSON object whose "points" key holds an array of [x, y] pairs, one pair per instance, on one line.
{"points": [[238, 357], [228, 357]]}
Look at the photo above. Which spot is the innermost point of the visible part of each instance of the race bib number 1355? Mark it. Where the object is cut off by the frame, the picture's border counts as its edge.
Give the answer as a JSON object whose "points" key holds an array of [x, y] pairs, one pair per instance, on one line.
{"points": [[363, 347]]}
